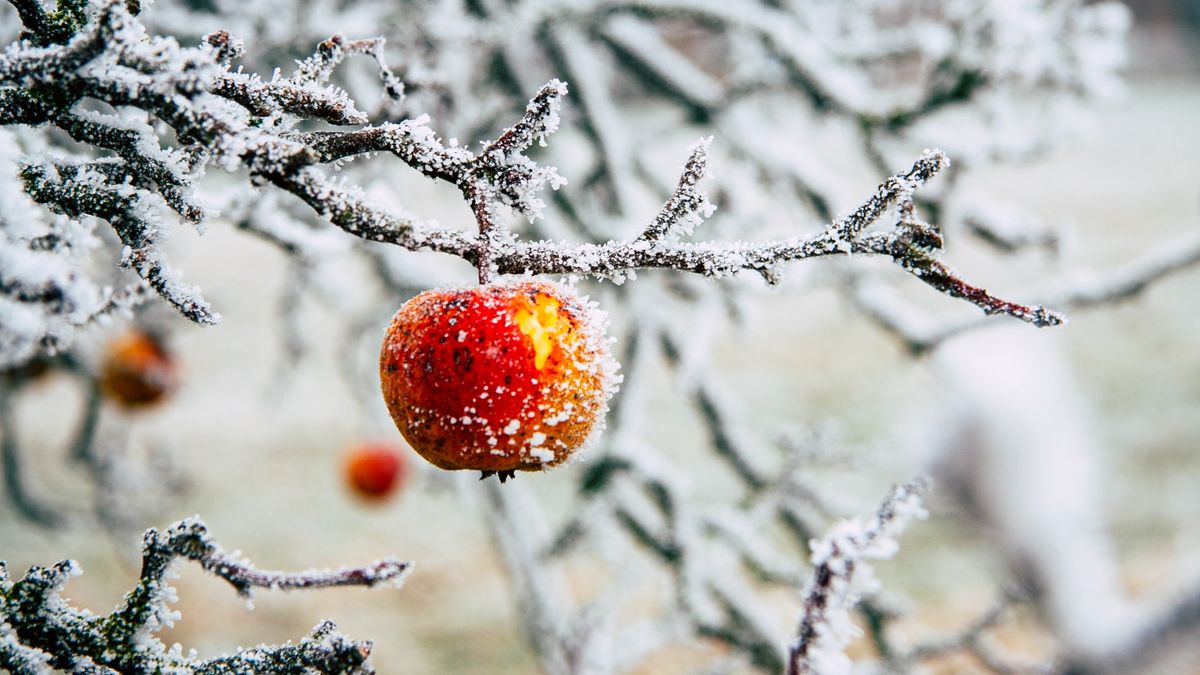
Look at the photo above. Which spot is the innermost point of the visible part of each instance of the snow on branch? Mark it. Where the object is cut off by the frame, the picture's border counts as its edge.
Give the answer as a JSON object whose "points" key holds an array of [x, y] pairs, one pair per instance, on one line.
{"points": [[330, 53], [1079, 290], [240, 120], [45, 291], [39, 631], [841, 573], [687, 206], [615, 259], [540, 120], [189, 539], [279, 95], [76, 189]]}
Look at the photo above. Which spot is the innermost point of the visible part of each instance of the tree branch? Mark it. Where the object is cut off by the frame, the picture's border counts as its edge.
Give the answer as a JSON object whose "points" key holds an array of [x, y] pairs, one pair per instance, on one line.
{"points": [[824, 622], [36, 626]]}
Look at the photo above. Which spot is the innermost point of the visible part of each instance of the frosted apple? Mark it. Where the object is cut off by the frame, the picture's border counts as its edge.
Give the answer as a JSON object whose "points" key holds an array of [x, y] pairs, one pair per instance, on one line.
{"points": [[497, 378]]}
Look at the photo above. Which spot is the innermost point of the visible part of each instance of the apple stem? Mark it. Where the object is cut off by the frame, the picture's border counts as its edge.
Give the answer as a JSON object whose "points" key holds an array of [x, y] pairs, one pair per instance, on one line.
{"points": [[481, 207]]}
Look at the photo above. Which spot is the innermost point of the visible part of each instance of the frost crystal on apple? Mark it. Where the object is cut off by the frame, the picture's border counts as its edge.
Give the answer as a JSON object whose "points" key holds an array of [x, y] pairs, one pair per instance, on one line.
{"points": [[497, 378]]}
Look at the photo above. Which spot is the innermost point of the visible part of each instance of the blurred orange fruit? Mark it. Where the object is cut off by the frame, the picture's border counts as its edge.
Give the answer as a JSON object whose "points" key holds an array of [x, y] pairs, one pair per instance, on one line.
{"points": [[138, 371], [374, 470]]}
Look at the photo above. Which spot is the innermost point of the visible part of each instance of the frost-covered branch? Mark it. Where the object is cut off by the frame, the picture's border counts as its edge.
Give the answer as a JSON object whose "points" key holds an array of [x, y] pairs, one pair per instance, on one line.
{"points": [[38, 631], [320, 66], [236, 119], [189, 539], [707, 548], [1079, 290], [648, 251], [84, 189], [687, 206], [840, 562]]}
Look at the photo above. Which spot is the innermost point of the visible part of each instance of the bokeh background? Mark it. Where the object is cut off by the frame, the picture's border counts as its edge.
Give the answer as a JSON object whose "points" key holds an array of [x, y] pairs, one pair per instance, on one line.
{"points": [[257, 442]]}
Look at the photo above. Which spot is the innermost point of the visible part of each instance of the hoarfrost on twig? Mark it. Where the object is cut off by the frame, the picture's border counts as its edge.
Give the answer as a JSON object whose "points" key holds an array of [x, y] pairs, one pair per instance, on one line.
{"points": [[841, 574], [38, 630], [240, 120]]}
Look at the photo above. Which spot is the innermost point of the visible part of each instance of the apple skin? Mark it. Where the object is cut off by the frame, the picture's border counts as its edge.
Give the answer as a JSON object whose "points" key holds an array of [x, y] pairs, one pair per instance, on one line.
{"points": [[138, 371], [497, 378], [375, 470]]}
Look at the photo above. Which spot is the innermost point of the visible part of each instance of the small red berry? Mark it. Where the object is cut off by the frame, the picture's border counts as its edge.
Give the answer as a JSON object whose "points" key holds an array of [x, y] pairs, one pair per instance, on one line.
{"points": [[374, 471], [138, 370], [497, 378]]}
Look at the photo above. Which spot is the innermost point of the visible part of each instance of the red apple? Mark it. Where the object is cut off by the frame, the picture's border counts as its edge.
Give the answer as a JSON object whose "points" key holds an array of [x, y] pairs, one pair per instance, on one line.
{"points": [[497, 378]]}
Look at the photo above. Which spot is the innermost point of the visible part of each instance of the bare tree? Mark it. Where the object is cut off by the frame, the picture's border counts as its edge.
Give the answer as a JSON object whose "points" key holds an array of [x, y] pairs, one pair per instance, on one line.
{"points": [[112, 127]]}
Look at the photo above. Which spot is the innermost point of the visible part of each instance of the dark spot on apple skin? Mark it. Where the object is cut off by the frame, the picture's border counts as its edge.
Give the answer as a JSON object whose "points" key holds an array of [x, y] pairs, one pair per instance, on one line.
{"points": [[464, 359]]}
